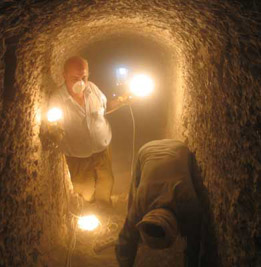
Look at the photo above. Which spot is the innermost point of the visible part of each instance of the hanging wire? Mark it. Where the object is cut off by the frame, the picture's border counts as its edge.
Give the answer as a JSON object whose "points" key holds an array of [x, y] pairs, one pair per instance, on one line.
{"points": [[72, 243], [108, 227], [74, 220], [105, 228], [133, 140], [64, 185]]}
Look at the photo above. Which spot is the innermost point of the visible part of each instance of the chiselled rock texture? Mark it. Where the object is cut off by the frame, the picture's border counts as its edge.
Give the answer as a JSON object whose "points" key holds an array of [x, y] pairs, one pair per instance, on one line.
{"points": [[222, 121], [214, 51]]}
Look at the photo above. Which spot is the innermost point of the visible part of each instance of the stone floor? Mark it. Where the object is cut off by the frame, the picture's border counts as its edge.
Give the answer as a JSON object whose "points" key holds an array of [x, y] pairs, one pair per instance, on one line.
{"points": [[87, 252]]}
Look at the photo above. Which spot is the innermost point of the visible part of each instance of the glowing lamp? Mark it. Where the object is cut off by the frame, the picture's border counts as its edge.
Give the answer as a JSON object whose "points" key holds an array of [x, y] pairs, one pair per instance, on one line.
{"points": [[54, 114], [141, 85], [123, 71], [89, 223], [121, 75]]}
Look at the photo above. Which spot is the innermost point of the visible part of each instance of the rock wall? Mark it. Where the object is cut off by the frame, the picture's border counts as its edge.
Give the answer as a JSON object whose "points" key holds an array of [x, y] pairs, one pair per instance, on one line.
{"points": [[222, 120], [214, 51], [32, 196]]}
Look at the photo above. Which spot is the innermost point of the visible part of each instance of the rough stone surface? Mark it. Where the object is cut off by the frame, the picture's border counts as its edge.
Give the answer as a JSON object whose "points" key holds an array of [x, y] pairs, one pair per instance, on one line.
{"points": [[215, 107]]}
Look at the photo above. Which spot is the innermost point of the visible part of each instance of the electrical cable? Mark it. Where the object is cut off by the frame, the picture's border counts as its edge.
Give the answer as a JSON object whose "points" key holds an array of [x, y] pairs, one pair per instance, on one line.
{"points": [[69, 254], [105, 228], [72, 244], [74, 218], [133, 139], [66, 193], [73, 240]]}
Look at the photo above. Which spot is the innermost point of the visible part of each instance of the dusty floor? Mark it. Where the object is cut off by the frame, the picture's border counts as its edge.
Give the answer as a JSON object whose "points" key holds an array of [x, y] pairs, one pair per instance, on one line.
{"points": [[85, 253]]}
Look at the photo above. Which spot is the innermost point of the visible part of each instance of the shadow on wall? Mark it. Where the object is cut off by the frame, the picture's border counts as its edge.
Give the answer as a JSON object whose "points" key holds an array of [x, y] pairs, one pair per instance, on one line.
{"points": [[209, 248]]}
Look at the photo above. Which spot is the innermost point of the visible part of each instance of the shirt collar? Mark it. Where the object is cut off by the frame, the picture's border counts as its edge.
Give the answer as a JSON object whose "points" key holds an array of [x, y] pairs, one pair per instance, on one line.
{"points": [[68, 97], [65, 92]]}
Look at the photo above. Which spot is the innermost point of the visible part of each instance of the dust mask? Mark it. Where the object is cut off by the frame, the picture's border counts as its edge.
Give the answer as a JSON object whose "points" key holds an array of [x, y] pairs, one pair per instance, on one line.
{"points": [[78, 87]]}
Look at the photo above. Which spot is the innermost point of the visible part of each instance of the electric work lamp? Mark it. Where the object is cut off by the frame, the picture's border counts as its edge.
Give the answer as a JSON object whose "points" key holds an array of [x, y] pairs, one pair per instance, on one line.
{"points": [[89, 222], [141, 85], [121, 75], [54, 114]]}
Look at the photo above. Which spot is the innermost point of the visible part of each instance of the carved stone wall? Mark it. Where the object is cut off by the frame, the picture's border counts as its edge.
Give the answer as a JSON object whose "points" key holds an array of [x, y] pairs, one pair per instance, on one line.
{"points": [[214, 51]]}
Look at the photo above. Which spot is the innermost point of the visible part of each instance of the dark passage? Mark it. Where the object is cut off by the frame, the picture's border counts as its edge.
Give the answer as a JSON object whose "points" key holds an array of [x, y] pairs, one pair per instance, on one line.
{"points": [[138, 55]]}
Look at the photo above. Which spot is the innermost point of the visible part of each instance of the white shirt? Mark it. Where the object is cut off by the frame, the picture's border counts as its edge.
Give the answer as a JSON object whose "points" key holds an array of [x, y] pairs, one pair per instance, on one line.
{"points": [[86, 129]]}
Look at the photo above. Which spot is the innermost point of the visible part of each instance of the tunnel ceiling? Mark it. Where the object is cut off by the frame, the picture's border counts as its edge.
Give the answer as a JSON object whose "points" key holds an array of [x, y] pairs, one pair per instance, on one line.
{"points": [[52, 31], [214, 62], [88, 36], [60, 28]]}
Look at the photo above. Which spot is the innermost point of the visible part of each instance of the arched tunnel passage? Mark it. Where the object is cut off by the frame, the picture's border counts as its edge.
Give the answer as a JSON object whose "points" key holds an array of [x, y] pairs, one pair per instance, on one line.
{"points": [[138, 55], [215, 108]]}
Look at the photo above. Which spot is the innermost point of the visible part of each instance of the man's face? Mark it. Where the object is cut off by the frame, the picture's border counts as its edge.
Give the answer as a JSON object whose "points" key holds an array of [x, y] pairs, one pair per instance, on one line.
{"points": [[74, 73]]}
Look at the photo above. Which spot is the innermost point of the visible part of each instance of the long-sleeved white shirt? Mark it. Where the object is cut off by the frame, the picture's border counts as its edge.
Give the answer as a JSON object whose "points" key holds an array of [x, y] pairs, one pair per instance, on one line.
{"points": [[86, 129]]}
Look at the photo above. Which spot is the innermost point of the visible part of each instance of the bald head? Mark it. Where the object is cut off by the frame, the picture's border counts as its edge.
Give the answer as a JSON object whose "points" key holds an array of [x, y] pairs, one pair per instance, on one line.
{"points": [[75, 69], [76, 63]]}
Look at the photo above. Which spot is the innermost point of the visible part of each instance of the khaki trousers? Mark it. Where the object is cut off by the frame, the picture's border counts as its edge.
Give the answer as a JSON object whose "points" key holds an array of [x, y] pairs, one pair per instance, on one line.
{"points": [[92, 177]]}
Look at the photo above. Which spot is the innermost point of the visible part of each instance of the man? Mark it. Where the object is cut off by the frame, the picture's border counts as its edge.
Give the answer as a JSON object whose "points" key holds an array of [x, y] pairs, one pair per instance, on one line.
{"points": [[87, 133], [162, 203]]}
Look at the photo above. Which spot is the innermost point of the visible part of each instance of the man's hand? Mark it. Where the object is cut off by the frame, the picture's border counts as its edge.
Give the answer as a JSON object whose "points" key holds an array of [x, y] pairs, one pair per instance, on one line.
{"points": [[120, 101], [51, 135], [125, 99], [56, 132]]}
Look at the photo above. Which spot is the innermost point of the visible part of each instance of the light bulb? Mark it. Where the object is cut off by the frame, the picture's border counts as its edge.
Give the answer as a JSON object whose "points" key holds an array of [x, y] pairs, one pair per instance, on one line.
{"points": [[54, 114], [89, 222], [141, 85]]}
